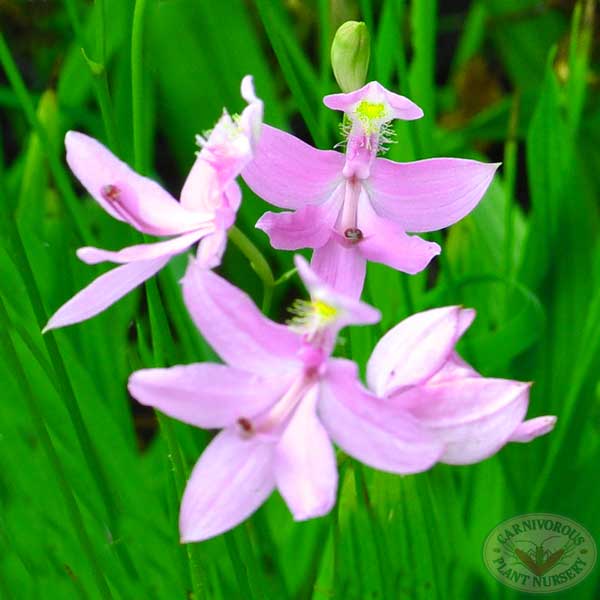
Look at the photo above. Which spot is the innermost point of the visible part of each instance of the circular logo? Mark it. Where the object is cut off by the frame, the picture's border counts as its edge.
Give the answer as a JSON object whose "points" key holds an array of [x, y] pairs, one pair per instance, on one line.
{"points": [[539, 553]]}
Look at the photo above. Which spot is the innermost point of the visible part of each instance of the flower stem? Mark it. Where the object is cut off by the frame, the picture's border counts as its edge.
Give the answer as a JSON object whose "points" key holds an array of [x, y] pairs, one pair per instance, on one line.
{"points": [[257, 261], [158, 322], [97, 69], [510, 166], [137, 84]]}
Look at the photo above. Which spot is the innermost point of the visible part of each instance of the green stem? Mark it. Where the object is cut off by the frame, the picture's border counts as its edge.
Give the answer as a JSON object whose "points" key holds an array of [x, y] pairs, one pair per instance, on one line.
{"points": [[100, 79], [108, 115], [257, 261], [324, 61], [137, 84], [22, 380], [290, 74], [97, 69], [75, 22], [158, 322], [159, 329], [58, 172], [510, 166], [405, 284], [285, 277], [100, 32]]}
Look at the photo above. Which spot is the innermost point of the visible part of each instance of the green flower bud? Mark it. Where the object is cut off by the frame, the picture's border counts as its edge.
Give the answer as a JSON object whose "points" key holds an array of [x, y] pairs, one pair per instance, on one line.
{"points": [[350, 52]]}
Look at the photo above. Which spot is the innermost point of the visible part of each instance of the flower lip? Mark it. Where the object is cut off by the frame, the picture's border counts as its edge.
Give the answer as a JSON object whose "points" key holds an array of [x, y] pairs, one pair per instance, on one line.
{"points": [[373, 104], [337, 309]]}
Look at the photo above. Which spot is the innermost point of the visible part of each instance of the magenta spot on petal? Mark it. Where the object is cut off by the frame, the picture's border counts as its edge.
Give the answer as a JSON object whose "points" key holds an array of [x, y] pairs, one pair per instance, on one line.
{"points": [[110, 192], [311, 372], [245, 425]]}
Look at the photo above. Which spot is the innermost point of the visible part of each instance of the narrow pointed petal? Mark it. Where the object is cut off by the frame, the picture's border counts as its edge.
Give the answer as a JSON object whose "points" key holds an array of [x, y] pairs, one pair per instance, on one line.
{"points": [[414, 350], [232, 478], [397, 107], [123, 193], [206, 395], [104, 291], [141, 252], [306, 473], [473, 417], [533, 428], [428, 195], [288, 173], [385, 242], [307, 227], [232, 324], [369, 429], [343, 268]]}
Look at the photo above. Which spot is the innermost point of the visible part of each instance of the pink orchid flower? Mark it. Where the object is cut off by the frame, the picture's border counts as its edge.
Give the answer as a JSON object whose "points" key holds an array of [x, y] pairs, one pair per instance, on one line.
{"points": [[209, 202], [358, 207], [280, 400], [416, 369]]}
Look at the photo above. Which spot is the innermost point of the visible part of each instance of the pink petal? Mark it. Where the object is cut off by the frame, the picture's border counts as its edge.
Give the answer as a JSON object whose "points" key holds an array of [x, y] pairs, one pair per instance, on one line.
{"points": [[141, 252], [352, 311], [342, 268], [288, 173], [305, 465], [454, 368], [371, 430], [202, 190], [414, 350], [206, 395], [211, 249], [307, 227], [252, 116], [136, 200], [428, 195], [232, 478], [104, 291], [385, 242], [400, 106], [532, 428], [473, 417], [233, 197], [235, 328]]}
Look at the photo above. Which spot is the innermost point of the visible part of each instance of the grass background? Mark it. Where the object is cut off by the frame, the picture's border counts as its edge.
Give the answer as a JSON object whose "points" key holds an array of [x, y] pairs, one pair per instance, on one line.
{"points": [[90, 484]]}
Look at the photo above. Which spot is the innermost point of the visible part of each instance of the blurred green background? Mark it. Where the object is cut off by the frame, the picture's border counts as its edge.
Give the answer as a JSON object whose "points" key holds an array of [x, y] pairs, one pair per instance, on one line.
{"points": [[90, 485]]}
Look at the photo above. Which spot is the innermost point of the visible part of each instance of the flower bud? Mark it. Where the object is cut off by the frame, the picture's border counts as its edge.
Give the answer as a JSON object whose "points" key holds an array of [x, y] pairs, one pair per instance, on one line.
{"points": [[350, 53]]}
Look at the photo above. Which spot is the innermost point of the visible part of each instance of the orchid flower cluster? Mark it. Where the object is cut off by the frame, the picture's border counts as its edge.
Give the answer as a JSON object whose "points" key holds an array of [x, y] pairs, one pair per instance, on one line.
{"points": [[280, 397]]}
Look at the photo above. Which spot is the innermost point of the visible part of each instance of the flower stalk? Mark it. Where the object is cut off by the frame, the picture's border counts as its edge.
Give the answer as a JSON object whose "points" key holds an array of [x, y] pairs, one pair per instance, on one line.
{"points": [[258, 263]]}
